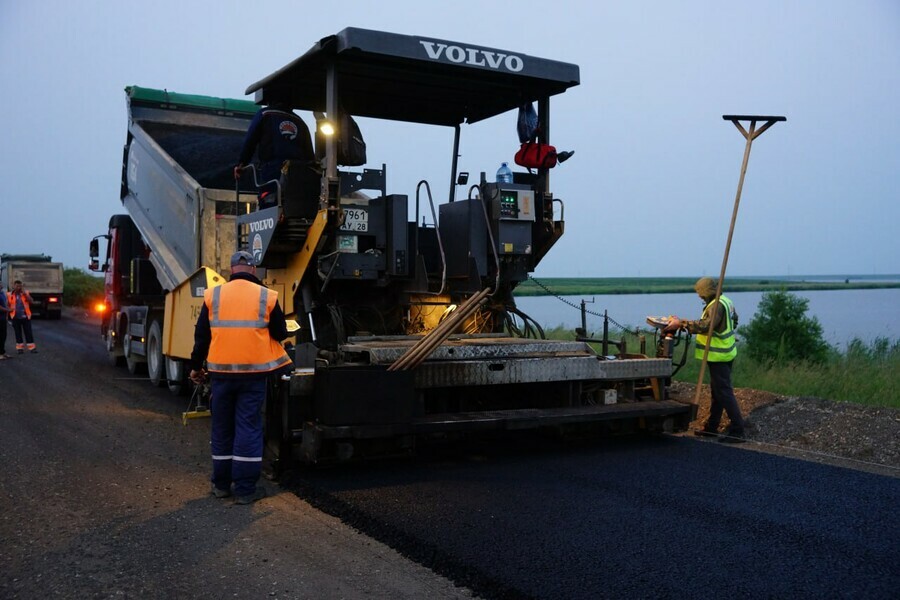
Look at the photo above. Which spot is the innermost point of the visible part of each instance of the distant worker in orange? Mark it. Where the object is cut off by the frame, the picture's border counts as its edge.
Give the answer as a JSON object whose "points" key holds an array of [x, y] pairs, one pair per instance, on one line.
{"points": [[722, 352], [20, 302], [238, 335]]}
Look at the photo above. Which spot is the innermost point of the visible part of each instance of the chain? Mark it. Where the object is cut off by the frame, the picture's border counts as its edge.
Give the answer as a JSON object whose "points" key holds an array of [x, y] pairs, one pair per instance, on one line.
{"points": [[635, 331]]}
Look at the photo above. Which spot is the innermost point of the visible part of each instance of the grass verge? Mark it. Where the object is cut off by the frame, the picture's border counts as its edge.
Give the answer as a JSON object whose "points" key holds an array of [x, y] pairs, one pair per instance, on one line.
{"points": [[863, 374], [868, 375]]}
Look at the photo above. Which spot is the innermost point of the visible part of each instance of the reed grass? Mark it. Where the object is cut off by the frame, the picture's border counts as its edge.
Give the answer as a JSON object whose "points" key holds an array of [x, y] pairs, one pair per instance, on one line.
{"points": [[862, 374], [867, 374]]}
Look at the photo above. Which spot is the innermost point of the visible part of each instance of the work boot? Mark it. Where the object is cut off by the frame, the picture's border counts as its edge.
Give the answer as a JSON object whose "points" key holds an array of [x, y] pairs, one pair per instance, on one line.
{"points": [[733, 437], [219, 493], [259, 494], [34, 351], [706, 433]]}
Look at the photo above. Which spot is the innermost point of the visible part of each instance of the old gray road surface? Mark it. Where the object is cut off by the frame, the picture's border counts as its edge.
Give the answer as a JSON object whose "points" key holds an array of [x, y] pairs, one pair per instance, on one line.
{"points": [[104, 494]]}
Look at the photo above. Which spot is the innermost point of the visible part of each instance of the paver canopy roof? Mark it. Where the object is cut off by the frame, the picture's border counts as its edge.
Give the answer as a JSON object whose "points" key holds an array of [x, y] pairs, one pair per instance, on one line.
{"points": [[414, 78]]}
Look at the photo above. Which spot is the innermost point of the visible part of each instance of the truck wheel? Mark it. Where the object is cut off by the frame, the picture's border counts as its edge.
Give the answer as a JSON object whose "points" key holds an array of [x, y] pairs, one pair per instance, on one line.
{"points": [[155, 360], [177, 382], [134, 363], [113, 351]]}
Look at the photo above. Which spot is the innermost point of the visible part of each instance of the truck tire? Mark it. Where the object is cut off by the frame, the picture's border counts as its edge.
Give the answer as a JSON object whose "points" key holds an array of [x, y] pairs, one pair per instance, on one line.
{"points": [[156, 366], [114, 351], [135, 364], [175, 376]]}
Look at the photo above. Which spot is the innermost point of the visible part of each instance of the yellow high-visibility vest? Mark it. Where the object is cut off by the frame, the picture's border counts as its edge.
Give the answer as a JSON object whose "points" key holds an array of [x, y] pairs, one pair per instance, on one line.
{"points": [[723, 347]]}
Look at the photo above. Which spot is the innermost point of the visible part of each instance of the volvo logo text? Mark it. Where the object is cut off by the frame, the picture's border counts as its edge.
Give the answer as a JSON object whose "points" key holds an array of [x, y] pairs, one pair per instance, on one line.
{"points": [[262, 224], [473, 56]]}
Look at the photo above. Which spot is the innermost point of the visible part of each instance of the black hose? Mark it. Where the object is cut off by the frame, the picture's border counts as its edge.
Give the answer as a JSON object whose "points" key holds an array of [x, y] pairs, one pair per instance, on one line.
{"points": [[687, 344]]}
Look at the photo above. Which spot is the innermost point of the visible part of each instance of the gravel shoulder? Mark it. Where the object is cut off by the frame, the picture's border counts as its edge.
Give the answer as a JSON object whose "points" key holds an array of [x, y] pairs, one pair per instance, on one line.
{"points": [[850, 435]]}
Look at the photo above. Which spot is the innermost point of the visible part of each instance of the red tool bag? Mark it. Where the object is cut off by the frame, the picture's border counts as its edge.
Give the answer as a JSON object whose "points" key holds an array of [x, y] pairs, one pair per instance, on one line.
{"points": [[534, 155]]}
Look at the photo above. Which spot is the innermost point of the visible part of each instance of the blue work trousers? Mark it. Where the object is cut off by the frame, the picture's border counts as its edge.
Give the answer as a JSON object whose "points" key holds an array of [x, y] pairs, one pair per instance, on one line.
{"points": [[24, 337], [237, 432]]}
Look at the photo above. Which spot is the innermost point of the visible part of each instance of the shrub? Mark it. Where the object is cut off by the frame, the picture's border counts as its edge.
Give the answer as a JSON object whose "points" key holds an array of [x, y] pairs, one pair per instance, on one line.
{"points": [[781, 332], [80, 288]]}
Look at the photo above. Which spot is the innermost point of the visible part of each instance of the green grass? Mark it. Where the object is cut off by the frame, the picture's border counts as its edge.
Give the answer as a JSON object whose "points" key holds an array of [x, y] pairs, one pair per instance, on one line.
{"points": [[863, 374], [632, 340], [868, 375], [80, 288]]}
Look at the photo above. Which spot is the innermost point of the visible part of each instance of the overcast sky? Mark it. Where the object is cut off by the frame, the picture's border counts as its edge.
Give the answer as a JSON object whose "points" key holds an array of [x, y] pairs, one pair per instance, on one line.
{"points": [[651, 187]]}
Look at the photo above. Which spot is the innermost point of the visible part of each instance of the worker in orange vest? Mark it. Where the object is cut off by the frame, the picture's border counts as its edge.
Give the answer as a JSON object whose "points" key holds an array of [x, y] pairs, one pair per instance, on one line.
{"points": [[238, 335], [20, 302]]}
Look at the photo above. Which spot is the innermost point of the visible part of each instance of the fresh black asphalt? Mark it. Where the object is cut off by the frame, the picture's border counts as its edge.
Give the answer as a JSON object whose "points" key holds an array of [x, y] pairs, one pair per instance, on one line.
{"points": [[645, 517]]}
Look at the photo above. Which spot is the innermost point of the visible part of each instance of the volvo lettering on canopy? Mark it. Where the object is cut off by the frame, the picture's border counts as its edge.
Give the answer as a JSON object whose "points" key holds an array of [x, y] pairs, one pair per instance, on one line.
{"points": [[473, 56]]}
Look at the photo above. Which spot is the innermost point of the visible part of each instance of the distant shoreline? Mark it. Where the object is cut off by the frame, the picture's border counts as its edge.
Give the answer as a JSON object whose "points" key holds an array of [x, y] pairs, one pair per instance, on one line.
{"points": [[577, 286]]}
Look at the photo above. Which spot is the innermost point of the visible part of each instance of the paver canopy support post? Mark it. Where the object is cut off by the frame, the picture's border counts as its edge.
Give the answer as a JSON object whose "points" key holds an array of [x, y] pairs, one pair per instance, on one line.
{"points": [[749, 135]]}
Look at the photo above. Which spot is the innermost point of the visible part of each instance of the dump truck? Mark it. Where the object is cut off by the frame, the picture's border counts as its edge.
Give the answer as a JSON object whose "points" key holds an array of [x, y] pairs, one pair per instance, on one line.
{"points": [[42, 277], [179, 220], [404, 308]]}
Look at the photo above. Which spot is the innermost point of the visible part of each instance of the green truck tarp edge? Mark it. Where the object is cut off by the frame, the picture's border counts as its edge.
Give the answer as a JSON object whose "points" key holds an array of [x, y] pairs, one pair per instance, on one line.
{"points": [[167, 99]]}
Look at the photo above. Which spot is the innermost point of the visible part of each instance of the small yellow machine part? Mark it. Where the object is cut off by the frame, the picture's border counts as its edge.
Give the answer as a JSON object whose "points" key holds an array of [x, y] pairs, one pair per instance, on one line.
{"points": [[194, 414], [200, 411]]}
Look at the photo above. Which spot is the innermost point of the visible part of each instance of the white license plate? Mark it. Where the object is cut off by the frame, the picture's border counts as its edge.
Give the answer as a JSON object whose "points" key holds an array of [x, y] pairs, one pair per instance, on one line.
{"points": [[355, 219]]}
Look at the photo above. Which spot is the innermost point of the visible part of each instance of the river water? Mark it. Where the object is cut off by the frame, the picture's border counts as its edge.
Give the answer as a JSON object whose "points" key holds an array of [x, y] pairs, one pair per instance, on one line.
{"points": [[843, 314]]}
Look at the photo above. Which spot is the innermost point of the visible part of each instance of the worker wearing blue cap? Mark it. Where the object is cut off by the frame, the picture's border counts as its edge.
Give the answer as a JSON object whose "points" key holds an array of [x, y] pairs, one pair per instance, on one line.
{"points": [[238, 335]]}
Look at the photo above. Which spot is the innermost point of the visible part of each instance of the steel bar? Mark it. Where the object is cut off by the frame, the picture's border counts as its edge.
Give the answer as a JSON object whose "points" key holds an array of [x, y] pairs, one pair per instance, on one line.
{"points": [[427, 344], [421, 349], [437, 332]]}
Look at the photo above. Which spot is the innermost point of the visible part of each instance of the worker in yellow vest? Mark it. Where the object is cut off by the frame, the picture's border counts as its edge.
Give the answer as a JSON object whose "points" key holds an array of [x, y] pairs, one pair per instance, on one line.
{"points": [[722, 352], [20, 314], [238, 335]]}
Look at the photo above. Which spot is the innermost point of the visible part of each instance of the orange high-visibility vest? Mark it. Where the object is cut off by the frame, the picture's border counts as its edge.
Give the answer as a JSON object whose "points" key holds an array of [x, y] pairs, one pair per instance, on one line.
{"points": [[239, 323], [11, 296]]}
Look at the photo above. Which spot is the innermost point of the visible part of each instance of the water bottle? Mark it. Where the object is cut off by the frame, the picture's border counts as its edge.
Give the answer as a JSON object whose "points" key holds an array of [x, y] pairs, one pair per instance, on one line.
{"points": [[504, 174]]}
